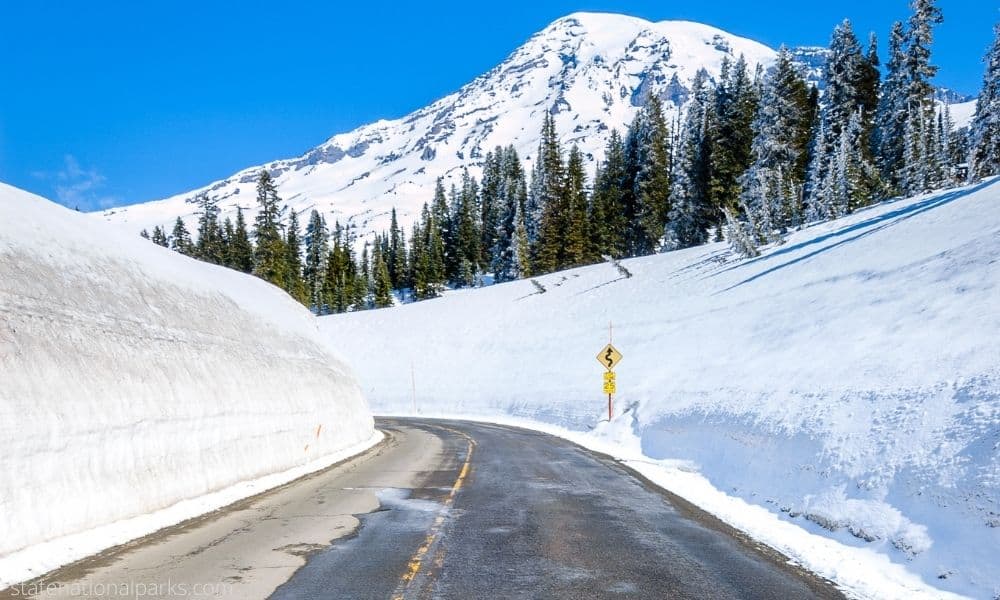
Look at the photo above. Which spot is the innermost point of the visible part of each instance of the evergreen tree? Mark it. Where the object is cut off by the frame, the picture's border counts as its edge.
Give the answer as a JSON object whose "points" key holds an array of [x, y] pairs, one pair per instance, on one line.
{"points": [[918, 168], [440, 216], [271, 255], [209, 247], [294, 284], [521, 247], [691, 212], [345, 284], [850, 179], [467, 236], [181, 239], [381, 282], [366, 263], [549, 251], [653, 179], [511, 252], [396, 257], [491, 203], [609, 226], [417, 276], [892, 112], [427, 256], [241, 252], [576, 247], [847, 122], [317, 251], [160, 237], [227, 239], [731, 137], [144, 234], [772, 188], [985, 132]]}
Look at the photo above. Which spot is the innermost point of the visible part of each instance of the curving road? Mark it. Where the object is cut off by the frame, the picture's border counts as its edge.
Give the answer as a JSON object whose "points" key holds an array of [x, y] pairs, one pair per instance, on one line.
{"points": [[446, 509]]}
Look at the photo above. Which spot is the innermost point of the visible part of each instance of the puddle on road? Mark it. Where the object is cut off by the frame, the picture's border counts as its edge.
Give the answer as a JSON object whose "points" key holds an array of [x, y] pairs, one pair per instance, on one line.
{"points": [[368, 562]]}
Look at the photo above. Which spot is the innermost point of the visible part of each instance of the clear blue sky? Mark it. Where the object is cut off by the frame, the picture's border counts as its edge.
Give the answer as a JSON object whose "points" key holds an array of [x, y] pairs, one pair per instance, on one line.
{"points": [[106, 103]]}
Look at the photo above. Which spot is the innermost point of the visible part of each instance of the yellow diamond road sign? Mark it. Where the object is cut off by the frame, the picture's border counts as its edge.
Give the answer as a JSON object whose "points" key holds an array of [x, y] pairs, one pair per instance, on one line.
{"points": [[609, 357]]}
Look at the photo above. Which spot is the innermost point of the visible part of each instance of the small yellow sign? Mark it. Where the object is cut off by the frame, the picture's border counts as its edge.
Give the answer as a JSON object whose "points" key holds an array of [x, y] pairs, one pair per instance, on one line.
{"points": [[609, 357], [609, 382]]}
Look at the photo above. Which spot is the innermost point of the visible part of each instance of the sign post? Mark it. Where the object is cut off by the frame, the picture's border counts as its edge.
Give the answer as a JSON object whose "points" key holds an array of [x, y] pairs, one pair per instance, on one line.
{"points": [[609, 357]]}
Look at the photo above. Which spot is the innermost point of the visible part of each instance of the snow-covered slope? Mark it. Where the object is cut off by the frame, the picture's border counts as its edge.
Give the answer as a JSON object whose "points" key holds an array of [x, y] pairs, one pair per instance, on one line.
{"points": [[132, 378], [848, 381], [962, 113], [594, 69]]}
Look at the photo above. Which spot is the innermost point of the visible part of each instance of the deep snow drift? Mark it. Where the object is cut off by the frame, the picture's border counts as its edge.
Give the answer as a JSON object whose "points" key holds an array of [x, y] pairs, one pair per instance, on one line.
{"points": [[847, 381], [132, 378]]}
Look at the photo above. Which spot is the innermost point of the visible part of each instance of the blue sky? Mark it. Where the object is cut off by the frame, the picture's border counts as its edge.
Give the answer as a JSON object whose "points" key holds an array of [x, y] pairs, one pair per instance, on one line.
{"points": [[108, 103]]}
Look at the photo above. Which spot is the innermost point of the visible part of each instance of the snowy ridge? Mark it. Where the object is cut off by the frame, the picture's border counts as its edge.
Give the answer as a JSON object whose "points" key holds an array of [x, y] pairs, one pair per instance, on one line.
{"points": [[594, 70], [134, 379], [846, 381]]}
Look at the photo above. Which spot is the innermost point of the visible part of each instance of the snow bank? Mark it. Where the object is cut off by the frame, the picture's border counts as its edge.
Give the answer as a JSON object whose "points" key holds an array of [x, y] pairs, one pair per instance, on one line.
{"points": [[132, 379], [847, 381]]}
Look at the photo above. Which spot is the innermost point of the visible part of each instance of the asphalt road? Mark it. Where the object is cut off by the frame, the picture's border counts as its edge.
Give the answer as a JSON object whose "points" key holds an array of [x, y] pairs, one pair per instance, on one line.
{"points": [[445, 509], [538, 517]]}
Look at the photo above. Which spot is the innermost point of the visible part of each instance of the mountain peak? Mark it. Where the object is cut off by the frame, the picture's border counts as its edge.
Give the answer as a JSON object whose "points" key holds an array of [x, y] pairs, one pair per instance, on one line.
{"points": [[592, 71]]}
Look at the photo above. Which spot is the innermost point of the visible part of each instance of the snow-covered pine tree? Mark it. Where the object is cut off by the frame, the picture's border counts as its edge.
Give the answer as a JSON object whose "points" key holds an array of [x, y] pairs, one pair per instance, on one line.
{"points": [[984, 136], [180, 240], [159, 237], [918, 168], [734, 107], [817, 193], [741, 234], [772, 188], [691, 213], [511, 199], [946, 132], [890, 130], [843, 150]]}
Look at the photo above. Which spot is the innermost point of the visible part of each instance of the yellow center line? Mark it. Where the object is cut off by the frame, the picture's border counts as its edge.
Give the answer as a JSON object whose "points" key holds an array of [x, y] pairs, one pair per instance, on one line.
{"points": [[417, 561]]}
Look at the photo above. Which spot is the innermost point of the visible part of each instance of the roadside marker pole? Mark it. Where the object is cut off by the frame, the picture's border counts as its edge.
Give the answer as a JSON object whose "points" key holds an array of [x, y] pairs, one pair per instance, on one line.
{"points": [[611, 339], [609, 357]]}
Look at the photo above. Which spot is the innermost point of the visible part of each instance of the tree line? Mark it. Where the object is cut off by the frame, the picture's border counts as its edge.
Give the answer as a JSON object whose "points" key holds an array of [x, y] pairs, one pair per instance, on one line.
{"points": [[755, 155]]}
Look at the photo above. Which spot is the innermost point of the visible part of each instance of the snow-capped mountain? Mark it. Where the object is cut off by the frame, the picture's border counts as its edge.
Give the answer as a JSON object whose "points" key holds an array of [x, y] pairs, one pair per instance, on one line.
{"points": [[592, 70]]}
